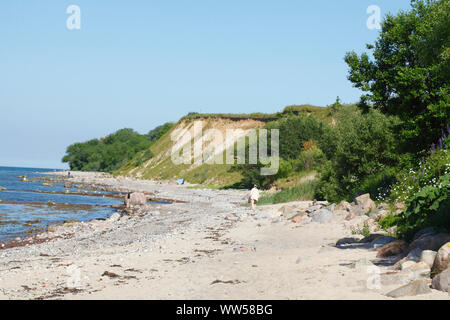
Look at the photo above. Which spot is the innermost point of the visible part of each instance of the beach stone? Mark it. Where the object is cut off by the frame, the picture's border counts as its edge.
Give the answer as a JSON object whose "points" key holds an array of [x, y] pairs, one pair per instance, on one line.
{"points": [[441, 261], [344, 205], [399, 207], [350, 216], [114, 217], [406, 264], [415, 255], [345, 241], [363, 204], [297, 219], [371, 238], [441, 281], [430, 242], [262, 216], [322, 216], [411, 289], [425, 232], [381, 241], [414, 271], [392, 248], [428, 257], [136, 199]]}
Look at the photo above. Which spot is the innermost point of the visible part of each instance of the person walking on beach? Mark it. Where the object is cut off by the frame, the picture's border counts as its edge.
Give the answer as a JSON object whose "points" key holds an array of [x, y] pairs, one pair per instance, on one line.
{"points": [[254, 196]]}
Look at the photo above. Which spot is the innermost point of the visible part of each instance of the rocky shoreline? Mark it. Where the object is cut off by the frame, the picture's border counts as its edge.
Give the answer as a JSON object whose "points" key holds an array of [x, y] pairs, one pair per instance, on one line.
{"points": [[207, 245]]}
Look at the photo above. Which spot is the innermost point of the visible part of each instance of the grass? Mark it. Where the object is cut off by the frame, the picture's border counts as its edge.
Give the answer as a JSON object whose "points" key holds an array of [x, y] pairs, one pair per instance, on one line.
{"points": [[302, 192]]}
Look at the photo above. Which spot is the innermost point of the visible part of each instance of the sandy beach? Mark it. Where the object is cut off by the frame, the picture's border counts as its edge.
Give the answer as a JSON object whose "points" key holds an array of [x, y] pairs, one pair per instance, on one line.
{"points": [[209, 245]]}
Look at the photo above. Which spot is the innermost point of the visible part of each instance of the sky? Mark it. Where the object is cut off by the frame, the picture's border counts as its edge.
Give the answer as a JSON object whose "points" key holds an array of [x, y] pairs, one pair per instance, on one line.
{"points": [[138, 64]]}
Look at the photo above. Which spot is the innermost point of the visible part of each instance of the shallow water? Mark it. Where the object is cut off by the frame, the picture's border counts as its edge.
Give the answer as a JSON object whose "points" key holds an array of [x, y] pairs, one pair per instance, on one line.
{"points": [[31, 210]]}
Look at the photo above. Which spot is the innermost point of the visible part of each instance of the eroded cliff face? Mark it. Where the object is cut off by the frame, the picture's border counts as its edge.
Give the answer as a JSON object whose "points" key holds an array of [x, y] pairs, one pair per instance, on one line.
{"points": [[205, 138]]}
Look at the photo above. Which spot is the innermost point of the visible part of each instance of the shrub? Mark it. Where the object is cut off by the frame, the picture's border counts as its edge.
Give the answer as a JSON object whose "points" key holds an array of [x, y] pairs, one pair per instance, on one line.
{"points": [[428, 207], [364, 145]]}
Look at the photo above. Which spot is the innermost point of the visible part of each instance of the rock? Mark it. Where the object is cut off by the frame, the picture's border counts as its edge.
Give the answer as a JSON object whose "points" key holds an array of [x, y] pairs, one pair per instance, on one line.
{"points": [[135, 199], [297, 219], [344, 241], [305, 220], [392, 249], [344, 205], [425, 232], [350, 216], [322, 216], [381, 241], [67, 185], [114, 217], [428, 257], [414, 271], [288, 212], [371, 237], [363, 204], [430, 242], [50, 203], [261, 216], [2, 188], [314, 208], [441, 281], [411, 289], [399, 207], [414, 255], [441, 262], [406, 264], [47, 185]]}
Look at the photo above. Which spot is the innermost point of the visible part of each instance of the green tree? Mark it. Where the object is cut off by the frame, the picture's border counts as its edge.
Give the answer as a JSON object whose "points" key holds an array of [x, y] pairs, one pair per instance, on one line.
{"points": [[409, 73]]}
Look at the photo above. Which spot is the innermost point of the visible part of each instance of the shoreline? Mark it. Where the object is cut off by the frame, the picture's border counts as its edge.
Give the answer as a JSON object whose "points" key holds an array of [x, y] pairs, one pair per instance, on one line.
{"points": [[208, 247]]}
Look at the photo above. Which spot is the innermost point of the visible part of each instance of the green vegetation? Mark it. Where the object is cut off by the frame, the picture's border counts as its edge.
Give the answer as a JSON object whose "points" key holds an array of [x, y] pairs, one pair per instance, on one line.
{"points": [[393, 144], [304, 191], [114, 151], [106, 154], [410, 72]]}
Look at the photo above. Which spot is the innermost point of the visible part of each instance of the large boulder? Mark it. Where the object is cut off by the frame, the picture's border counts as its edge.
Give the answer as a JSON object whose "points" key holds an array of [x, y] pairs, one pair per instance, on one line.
{"points": [[441, 262], [344, 206], [381, 241], [428, 257], [392, 249], [363, 204], [430, 242], [135, 199], [425, 232], [411, 289], [322, 216], [441, 281]]}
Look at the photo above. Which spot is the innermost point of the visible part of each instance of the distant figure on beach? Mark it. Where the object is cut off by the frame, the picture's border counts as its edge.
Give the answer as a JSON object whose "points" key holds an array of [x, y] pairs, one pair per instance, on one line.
{"points": [[68, 174], [254, 196]]}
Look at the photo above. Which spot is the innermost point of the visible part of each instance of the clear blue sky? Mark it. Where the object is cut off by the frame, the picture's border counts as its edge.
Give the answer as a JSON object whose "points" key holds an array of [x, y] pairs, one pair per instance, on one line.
{"points": [[138, 64]]}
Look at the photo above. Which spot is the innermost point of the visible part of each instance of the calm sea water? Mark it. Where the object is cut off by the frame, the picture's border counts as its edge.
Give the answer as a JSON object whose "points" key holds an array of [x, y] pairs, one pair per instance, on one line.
{"points": [[15, 219]]}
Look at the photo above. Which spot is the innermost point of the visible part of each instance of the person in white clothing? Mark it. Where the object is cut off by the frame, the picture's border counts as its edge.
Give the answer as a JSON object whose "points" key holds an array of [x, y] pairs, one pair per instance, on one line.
{"points": [[254, 196]]}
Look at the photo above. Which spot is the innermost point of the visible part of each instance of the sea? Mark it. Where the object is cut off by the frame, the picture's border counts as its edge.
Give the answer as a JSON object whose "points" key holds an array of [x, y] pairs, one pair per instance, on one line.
{"points": [[29, 206]]}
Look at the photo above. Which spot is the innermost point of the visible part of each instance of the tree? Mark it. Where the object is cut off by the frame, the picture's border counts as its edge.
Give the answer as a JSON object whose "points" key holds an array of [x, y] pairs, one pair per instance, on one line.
{"points": [[410, 72]]}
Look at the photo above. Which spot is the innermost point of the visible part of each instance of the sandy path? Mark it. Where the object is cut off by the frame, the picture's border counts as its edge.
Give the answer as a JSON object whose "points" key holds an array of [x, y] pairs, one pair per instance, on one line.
{"points": [[205, 254]]}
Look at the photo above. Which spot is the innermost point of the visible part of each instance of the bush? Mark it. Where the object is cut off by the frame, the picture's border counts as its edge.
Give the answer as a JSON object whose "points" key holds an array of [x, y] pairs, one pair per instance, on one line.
{"points": [[428, 207], [364, 145], [427, 173]]}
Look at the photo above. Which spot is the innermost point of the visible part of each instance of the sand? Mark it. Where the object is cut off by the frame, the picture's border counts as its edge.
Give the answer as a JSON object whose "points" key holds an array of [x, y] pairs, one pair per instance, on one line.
{"points": [[208, 248]]}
